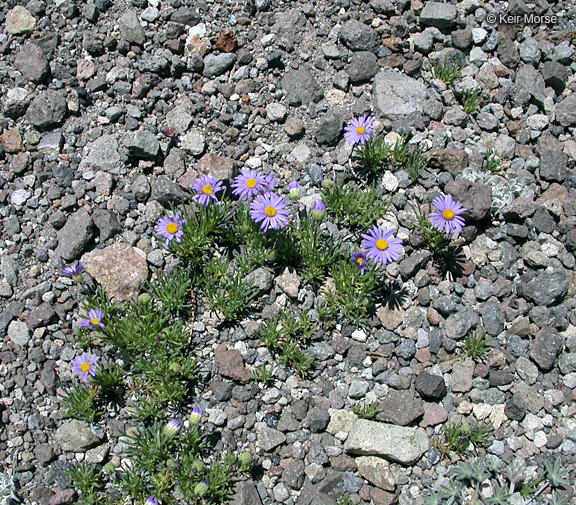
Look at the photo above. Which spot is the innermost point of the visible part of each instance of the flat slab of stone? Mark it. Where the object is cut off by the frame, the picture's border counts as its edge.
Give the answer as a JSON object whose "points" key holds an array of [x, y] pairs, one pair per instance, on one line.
{"points": [[102, 154], [394, 443], [397, 96], [119, 269]]}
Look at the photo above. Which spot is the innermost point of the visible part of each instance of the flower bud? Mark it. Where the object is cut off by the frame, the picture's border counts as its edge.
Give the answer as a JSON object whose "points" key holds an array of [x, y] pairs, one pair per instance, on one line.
{"points": [[245, 459], [78, 279], [152, 501], [327, 183], [109, 468], [294, 188], [144, 298], [172, 429], [175, 367], [319, 210], [195, 416], [198, 466], [201, 488]]}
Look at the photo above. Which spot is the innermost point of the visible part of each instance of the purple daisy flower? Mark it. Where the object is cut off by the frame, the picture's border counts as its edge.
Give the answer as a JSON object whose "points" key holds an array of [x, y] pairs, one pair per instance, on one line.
{"points": [[446, 217], [270, 210], [294, 189], [360, 261], [248, 184], [170, 227], [196, 416], [74, 270], [381, 246], [95, 317], [84, 366], [270, 182], [359, 130], [207, 186]]}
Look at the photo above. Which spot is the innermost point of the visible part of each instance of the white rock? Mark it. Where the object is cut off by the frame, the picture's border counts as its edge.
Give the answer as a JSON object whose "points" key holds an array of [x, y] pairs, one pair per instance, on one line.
{"points": [[276, 112], [389, 181], [479, 35]]}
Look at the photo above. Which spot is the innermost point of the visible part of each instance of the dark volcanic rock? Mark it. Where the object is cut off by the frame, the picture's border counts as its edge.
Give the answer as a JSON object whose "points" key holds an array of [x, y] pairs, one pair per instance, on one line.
{"points": [[359, 37], [32, 63], [75, 235], [475, 197], [47, 109], [548, 288], [363, 66], [301, 87], [545, 348], [431, 386], [329, 128], [400, 408]]}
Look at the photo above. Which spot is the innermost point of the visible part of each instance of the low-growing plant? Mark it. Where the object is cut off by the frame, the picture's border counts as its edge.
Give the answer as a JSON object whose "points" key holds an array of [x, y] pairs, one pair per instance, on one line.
{"points": [[263, 374], [173, 289], [79, 402], [493, 164], [458, 437], [86, 480], [446, 71], [414, 162], [475, 344], [436, 240], [344, 500], [366, 410], [471, 100], [353, 206]]}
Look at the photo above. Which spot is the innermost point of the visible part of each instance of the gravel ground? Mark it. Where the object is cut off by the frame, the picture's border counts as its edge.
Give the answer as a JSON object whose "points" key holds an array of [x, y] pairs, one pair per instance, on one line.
{"points": [[91, 94]]}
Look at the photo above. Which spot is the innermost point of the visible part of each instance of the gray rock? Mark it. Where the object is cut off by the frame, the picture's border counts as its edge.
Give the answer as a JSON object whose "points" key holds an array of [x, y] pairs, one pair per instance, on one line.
{"points": [[545, 348], [424, 42], [16, 102], [440, 15], [293, 474], [459, 324], [493, 318], [529, 51], [269, 438], [166, 191], [567, 363], [430, 387], [317, 419], [394, 443], [563, 52], [300, 87], [19, 21], [329, 128], [245, 492], [194, 143], [507, 52], [352, 484], [406, 349], [5, 317], [461, 377], [32, 63], [546, 289], [107, 223], [131, 29], [555, 75], [217, 64], [566, 111], [400, 407], [48, 109], [262, 280], [529, 79], [363, 66], [10, 269], [19, 197], [474, 196], [75, 235], [142, 145], [75, 436], [397, 96], [516, 408], [51, 143], [553, 165], [141, 188], [19, 333], [43, 315], [358, 389], [102, 154], [357, 36], [276, 112], [412, 263]]}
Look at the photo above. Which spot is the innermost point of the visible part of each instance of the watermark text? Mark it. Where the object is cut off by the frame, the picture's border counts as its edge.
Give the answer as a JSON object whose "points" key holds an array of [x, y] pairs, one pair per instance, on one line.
{"points": [[504, 18]]}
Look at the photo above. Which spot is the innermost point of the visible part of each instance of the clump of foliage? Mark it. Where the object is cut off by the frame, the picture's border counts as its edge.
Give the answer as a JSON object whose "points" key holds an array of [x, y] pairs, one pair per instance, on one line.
{"points": [[436, 240], [493, 164], [469, 478], [475, 344], [286, 337], [353, 206], [445, 70], [366, 410], [471, 100], [458, 437]]}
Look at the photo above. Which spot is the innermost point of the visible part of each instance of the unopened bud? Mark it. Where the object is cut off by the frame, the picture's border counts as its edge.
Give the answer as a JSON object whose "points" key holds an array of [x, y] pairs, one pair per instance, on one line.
{"points": [[172, 428]]}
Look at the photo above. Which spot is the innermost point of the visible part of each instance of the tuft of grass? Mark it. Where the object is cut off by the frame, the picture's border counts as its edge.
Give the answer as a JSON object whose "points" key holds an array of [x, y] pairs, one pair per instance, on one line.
{"points": [[172, 289], [263, 374], [471, 101], [492, 164], [458, 437], [80, 402], [354, 206], [446, 71], [475, 344], [86, 480], [366, 410], [414, 161]]}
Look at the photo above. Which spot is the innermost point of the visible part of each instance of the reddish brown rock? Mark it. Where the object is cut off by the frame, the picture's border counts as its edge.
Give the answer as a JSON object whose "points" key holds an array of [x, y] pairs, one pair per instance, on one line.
{"points": [[230, 364], [11, 141], [227, 41], [220, 167]]}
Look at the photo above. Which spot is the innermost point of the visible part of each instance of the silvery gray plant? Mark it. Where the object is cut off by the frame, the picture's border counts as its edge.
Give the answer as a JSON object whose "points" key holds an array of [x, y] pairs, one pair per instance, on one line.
{"points": [[505, 189]]}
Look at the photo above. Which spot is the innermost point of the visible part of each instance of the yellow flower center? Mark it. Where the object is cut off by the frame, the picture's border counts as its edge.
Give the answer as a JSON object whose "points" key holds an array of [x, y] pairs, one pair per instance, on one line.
{"points": [[360, 261], [381, 244], [95, 321], [250, 183], [172, 228], [85, 367], [360, 130], [208, 189], [270, 211], [448, 214]]}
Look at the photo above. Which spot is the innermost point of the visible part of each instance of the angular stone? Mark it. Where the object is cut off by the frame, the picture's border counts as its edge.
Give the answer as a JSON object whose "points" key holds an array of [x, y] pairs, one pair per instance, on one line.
{"points": [[474, 196], [529, 79], [75, 436], [440, 15], [19, 21], [394, 443], [546, 289], [357, 36], [269, 438], [390, 317], [43, 315], [75, 235], [289, 282], [119, 269], [431, 386], [301, 87], [180, 119], [397, 96], [11, 141], [220, 167], [461, 377], [131, 29], [32, 63], [434, 414], [245, 493], [18, 333], [546, 347], [400, 407], [47, 109], [566, 111], [142, 145], [102, 154], [451, 159], [329, 128], [16, 102], [363, 66], [341, 421], [230, 364], [215, 65], [376, 471]]}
